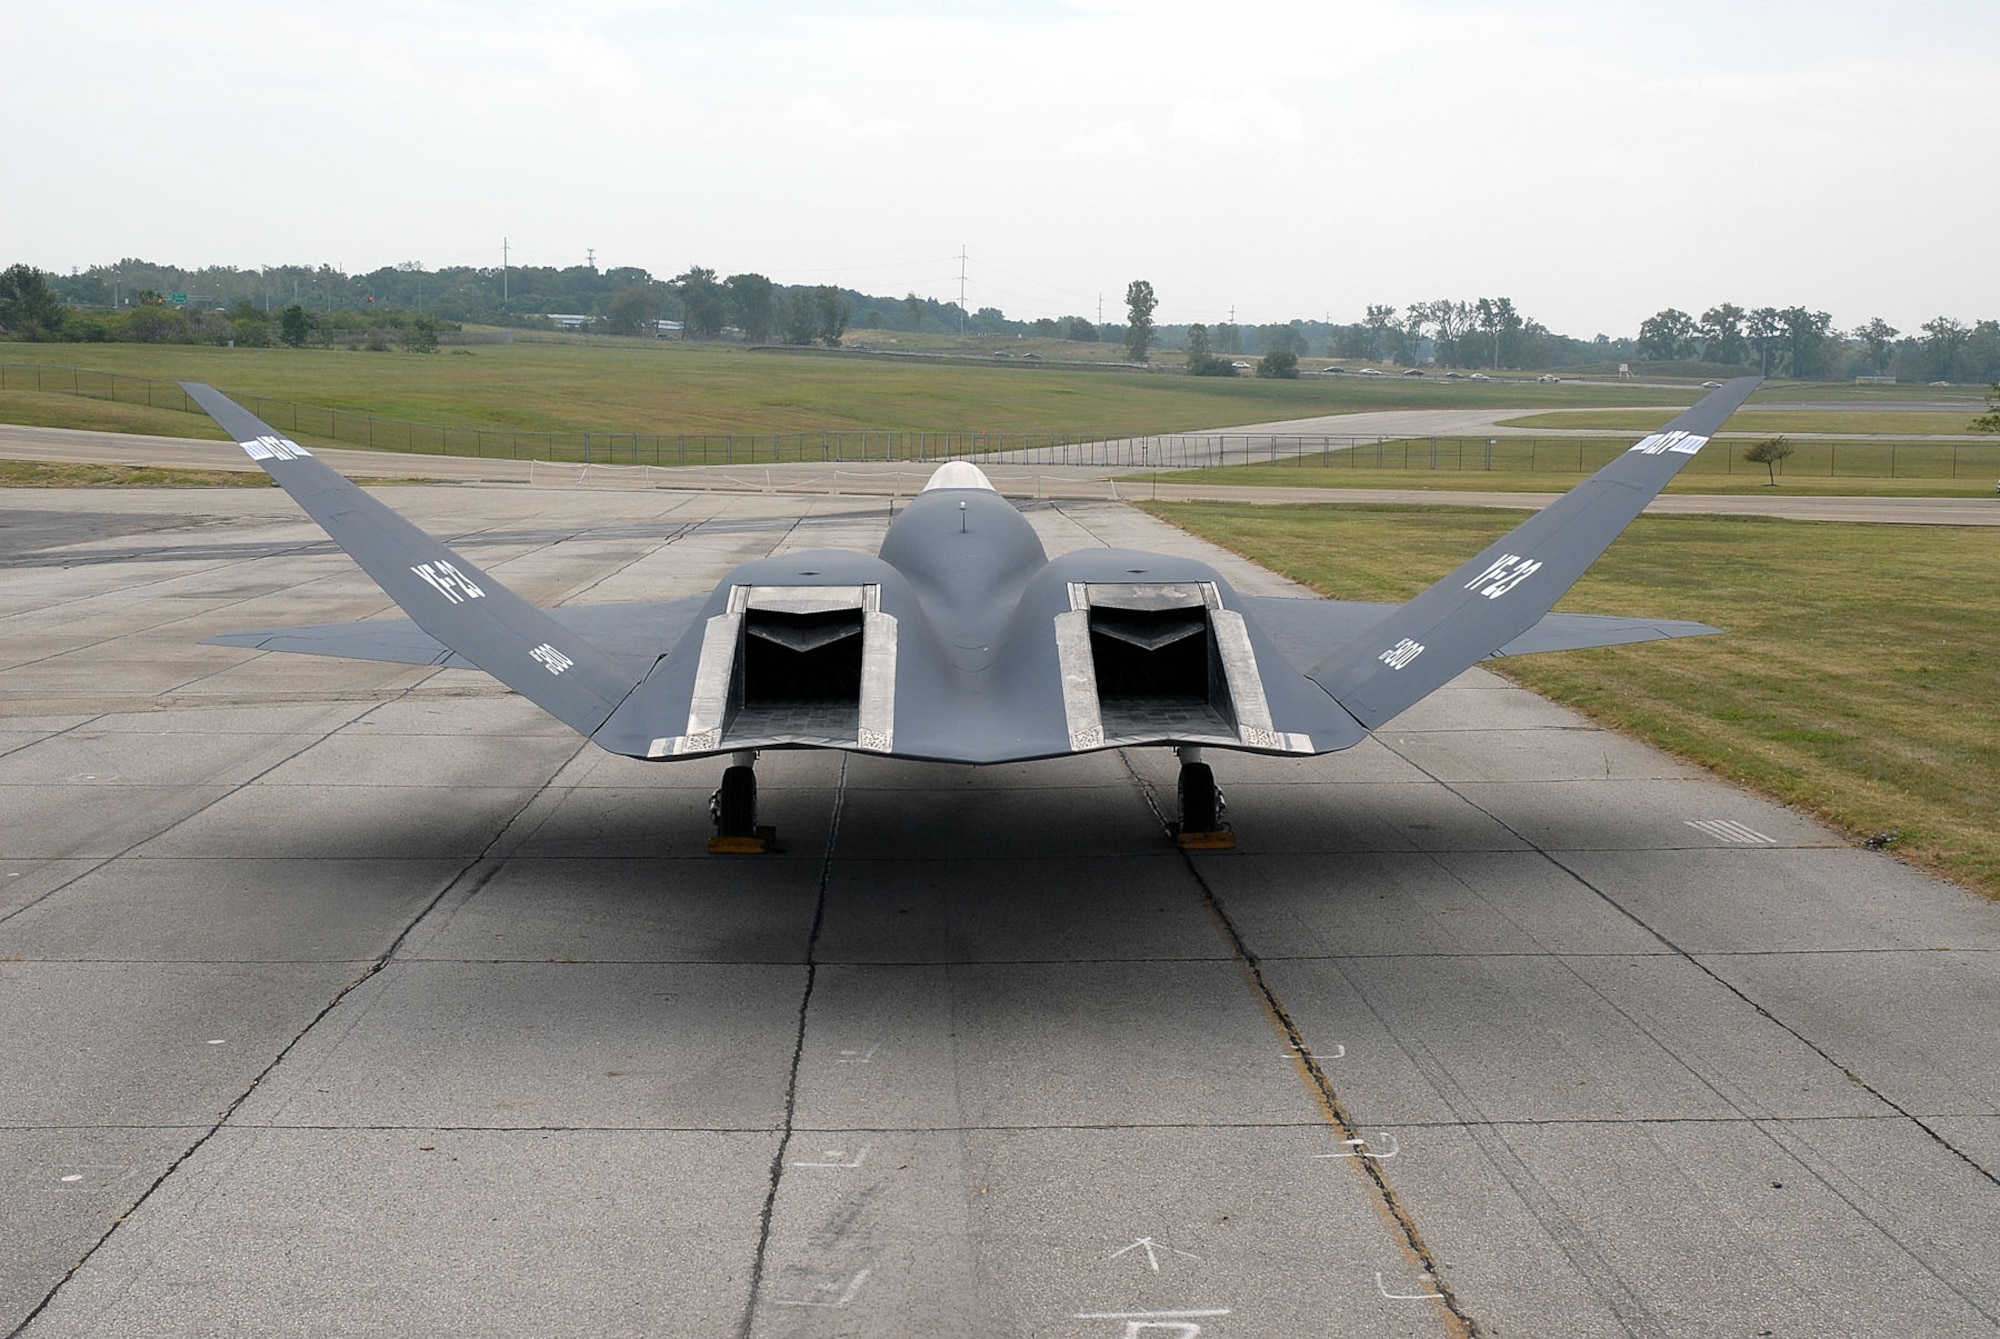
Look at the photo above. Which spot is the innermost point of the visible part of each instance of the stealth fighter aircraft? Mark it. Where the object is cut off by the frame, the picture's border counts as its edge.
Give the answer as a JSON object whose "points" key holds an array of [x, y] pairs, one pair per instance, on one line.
{"points": [[962, 641]]}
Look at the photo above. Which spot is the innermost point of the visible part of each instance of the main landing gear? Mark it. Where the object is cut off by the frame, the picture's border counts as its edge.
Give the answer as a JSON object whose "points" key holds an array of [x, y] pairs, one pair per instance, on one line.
{"points": [[734, 809], [1201, 827]]}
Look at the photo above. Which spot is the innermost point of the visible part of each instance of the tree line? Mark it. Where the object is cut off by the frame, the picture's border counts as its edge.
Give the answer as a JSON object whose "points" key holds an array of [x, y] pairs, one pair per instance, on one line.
{"points": [[142, 301], [1798, 342]]}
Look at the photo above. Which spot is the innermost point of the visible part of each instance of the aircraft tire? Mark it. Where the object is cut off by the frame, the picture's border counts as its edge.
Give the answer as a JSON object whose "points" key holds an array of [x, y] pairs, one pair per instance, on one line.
{"points": [[1201, 810], [736, 803]]}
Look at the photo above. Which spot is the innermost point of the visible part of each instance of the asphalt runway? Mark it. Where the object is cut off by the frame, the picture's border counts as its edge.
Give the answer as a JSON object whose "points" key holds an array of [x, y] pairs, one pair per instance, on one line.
{"points": [[362, 999]]}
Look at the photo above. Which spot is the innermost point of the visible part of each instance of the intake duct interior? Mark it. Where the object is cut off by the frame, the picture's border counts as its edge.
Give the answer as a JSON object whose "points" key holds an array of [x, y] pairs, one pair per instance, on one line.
{"points": [[801, 658], [1155, 654]]}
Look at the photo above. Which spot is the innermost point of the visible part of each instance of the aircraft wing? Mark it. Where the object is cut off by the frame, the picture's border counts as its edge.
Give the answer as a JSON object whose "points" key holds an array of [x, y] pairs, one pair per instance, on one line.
{"points": [[448, 598], [1308, 631], [635, 635], [1501, 595]]}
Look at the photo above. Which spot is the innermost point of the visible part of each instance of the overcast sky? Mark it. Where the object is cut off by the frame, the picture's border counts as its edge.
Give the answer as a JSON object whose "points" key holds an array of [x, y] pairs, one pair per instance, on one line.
{"points": [[1594, 160]]}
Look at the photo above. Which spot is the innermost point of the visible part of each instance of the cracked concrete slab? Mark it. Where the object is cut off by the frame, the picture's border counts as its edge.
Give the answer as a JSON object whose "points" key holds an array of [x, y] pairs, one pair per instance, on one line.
{"points": [[356, 999]]}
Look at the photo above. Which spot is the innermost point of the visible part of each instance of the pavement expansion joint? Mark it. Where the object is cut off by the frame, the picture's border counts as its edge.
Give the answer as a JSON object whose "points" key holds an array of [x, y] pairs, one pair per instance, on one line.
{"points": [[780, 1156], [1392, 1207], [96, 864], [470, 870], [1875, 1091]]}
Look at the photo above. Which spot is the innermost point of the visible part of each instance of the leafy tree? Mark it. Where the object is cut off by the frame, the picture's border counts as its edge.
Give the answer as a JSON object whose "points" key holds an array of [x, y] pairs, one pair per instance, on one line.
{"points": [[1990, 420], [752, 305], [153, 323], [799, 317], [1808, 340], [830, 310], [1280, 364], [1879, 337], [1449, 322], [915, 306], [27, 306], [1763, 328], [1078, 329], [420, 335], [1721, 332], [1511, 325], [294, 325], [1942, 343], [1486, 315], [633, 311], [1201, 362], [1380, 320], [1666, 335], [1770, 453], [1981, 361], [1139, 304], [702, 303], [248, 334]]}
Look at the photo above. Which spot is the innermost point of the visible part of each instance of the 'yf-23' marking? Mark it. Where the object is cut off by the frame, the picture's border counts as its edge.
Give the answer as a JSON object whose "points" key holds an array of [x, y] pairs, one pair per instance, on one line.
{"points": [[449, 582], [1506, 572]]}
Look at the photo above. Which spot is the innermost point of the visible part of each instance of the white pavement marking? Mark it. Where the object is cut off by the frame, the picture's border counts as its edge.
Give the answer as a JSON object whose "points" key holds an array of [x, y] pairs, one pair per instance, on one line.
{"points": [[1731, 832]]}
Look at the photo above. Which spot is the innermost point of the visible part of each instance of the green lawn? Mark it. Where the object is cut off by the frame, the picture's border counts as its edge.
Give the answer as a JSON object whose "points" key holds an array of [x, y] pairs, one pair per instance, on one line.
{"points": [[38, 474], [1857, 680], [656, 387]]}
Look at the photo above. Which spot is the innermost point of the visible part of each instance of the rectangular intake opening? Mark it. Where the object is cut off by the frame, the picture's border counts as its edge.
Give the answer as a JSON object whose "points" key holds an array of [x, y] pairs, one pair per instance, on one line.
{"points": [[805, 659], [1151, 655]]}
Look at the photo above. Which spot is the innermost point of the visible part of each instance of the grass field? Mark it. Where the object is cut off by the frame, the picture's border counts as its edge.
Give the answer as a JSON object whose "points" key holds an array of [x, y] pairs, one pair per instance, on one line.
{"points": [[1831, 467], [666, 387], [1857, 682], [46, 409], [1768, 422], [37, 474]]}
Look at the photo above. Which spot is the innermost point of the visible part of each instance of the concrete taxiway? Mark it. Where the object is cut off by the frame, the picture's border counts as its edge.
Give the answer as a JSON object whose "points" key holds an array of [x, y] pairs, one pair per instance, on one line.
{"points": [[362, 999]]}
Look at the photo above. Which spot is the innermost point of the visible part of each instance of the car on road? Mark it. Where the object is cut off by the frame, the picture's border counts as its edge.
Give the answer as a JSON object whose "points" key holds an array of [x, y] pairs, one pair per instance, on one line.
{"points": [[1480, 376], [1333, 371], [1241, 366], [1413, 371], [1371, 371], [1548, 376], [1031, 357], [1711, 385]]}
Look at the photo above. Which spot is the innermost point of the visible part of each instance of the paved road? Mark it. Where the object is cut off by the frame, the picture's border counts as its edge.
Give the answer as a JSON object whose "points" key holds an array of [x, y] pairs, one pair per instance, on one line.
{"points": [[900, 480], [364, 1000]]}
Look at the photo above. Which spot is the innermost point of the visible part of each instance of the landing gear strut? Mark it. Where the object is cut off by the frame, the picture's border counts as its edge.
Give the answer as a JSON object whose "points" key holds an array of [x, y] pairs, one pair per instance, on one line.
{"points": [[734, 809], [1201, 827]]}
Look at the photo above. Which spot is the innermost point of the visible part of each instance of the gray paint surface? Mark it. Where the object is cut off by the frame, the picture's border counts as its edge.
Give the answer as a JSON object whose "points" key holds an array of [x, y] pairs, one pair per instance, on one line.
{"points": [[977, 645]]}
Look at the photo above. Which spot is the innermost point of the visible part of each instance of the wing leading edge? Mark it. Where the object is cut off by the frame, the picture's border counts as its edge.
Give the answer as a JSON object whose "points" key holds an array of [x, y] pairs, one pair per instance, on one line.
{"points": [[962, 641], [449, 598], [1499, 597]]}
